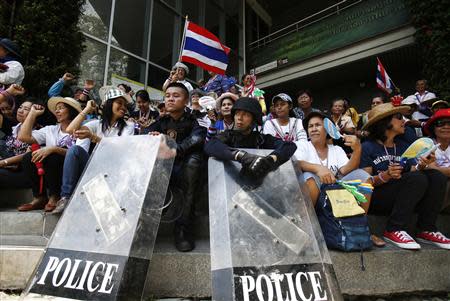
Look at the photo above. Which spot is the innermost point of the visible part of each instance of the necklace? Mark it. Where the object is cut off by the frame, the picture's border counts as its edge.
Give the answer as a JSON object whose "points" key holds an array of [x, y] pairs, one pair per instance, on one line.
{"points": [[325, 161], [387, 153]]}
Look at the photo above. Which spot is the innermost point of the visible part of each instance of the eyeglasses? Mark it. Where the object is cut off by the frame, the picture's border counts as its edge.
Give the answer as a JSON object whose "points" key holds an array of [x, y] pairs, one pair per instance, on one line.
{"points": [[398, 116], [441, 123]]}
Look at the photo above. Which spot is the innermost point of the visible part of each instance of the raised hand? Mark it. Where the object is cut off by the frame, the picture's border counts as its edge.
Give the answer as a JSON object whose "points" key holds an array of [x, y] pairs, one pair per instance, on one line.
{"points": [[15, 90]]}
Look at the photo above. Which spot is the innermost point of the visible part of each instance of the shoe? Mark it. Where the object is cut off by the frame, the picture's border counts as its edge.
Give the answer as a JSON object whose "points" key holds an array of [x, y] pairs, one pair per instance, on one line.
{"points": [[434, 238], [184, 242], [377, 241], [31, 206], [401, 239], [49, 207], [60, 205]]}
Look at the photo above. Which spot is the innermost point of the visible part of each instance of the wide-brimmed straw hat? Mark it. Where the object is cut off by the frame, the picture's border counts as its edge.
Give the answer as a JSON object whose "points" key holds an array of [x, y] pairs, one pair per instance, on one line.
{"points": [[111, 92], [384, 110], [53, 101]]}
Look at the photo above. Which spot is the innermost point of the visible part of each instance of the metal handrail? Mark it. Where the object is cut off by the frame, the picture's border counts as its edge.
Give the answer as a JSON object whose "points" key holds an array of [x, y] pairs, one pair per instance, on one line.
{"points": [[262, 41]]}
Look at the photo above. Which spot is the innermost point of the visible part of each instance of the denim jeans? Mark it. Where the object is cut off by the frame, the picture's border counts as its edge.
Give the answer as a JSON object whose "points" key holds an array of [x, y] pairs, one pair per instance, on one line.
{"points": [[74, 164]]}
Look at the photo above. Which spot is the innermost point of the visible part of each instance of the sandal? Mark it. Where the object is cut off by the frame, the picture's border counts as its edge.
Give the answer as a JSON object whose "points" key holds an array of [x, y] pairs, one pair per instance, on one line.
{"points": [[49, 207], [31, 206], [377, 242]]}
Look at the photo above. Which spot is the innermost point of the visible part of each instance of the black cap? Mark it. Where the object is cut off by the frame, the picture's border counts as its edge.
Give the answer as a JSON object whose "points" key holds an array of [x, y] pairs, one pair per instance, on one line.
{"points": [[250, 105], [10, 46], [311, 115]]}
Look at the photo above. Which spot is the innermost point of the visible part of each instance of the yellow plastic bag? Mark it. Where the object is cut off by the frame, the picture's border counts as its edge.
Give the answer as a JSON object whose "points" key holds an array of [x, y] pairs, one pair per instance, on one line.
{"points": [[343, 203]]}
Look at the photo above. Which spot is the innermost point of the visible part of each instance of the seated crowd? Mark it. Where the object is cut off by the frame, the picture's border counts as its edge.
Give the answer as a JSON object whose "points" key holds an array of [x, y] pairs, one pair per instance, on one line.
{"points": [[48, 152]]}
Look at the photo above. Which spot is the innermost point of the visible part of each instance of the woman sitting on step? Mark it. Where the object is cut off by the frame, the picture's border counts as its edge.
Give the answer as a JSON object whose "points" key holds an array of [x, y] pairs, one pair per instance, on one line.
{"points": [[401, 188], [112, 124], [12, 150], [51, 144]]}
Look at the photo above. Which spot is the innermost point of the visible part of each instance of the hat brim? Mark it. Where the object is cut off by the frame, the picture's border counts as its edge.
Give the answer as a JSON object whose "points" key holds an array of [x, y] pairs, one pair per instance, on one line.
{"points": [[53, 101], [10, 50], [104, 90], [400, 109]]}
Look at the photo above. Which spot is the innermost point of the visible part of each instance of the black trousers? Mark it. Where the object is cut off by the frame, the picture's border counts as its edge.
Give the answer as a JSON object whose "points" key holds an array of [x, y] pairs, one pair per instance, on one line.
{"points": [[185, 175], [420, 191], [53, 167], [14, 179]]}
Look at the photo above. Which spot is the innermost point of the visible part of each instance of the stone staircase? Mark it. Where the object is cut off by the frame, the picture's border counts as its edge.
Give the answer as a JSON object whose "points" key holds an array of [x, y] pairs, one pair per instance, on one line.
{"points": [[23, 236]]}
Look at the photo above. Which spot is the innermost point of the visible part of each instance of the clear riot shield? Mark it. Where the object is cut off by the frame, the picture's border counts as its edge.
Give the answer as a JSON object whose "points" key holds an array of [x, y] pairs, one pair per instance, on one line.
{"points": [[103, 243], [266, 242]]}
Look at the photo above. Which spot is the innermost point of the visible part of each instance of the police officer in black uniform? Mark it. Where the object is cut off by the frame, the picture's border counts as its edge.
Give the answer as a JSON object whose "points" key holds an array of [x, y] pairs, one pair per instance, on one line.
{"points": [[183, 127], [247, 116]]}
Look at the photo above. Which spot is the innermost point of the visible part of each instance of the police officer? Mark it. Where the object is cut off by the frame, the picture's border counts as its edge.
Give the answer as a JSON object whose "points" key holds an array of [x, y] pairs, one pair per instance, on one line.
{"points": [[247, 115], [183, 127]]}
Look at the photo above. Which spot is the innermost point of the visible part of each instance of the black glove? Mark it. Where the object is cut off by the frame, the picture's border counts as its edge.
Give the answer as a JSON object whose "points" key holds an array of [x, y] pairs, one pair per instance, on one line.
{"points": [[254, 165]]}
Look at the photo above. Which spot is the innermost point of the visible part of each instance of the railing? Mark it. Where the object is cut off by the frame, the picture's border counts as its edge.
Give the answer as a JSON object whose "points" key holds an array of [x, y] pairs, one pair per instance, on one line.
{"points": [[295, 27]]}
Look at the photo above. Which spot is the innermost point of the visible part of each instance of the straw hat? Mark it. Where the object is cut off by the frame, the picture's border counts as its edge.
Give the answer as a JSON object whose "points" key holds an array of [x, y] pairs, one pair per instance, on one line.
{"points": [[53, 101], [382, 111]]}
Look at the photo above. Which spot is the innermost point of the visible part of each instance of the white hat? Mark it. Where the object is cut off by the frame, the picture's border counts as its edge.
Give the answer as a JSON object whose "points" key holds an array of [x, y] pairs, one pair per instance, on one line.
{"points": [[111, 92], [282, 96], [181, 65]]}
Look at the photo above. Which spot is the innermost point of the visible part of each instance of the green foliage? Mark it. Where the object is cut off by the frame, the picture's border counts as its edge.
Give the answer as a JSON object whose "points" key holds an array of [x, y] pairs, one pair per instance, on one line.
{"points": [[432, 21], [48, 35]]}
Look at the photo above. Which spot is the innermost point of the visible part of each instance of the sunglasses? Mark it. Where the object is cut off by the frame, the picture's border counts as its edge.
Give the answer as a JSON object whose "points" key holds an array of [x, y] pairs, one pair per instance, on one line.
{"points": [[398, 116], [441, 123]]}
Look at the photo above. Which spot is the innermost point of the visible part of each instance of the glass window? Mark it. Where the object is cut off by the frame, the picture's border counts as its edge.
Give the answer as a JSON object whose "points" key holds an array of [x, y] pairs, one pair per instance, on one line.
{"points": [[161, 49], [212, 19], [156, 77], [130, 28], [127, 66], [191, 8], [92, 62], [96, 17]]}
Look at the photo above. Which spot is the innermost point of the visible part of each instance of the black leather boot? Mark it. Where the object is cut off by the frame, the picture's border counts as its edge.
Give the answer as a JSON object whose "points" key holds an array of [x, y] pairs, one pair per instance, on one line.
{"points": [[184, 240]]}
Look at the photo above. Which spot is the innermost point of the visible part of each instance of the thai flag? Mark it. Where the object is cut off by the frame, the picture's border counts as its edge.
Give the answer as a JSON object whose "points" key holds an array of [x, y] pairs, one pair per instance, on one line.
{"points": [[202, 48], [384, 82]]}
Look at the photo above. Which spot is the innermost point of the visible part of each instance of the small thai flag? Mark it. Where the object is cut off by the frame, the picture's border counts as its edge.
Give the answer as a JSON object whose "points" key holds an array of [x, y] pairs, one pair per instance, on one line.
{"points": [[202, 48], [384, 82]]}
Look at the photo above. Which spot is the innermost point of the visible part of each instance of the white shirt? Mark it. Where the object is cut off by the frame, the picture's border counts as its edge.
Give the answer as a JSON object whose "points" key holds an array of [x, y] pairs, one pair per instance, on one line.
{"points": [[293, 131], [51, 135], [95, 126], [443, 157], [335, 160], [426, 96], [14, 75]]}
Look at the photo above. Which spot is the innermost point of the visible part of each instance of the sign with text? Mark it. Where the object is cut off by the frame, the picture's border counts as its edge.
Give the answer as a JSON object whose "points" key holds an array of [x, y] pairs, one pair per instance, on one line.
{"points": [[102, 246], [266, 243], [361, 21]]}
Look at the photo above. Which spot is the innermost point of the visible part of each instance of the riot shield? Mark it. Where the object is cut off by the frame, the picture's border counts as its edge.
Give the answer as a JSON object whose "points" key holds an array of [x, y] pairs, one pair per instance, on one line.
{"points": [[103, 243], [266, 242]]}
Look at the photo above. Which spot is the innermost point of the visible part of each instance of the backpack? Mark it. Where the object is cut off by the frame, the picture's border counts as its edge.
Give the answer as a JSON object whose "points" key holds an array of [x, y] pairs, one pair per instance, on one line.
{"points": [[345, 234]]}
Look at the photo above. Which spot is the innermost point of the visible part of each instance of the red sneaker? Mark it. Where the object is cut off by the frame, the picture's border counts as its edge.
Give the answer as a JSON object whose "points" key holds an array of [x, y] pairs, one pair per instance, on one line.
{"points": [[434, 238], [401, 239]]}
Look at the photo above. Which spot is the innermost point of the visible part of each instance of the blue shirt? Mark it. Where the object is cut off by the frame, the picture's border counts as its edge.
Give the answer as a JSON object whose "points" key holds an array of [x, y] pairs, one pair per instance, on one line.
{"points": [[374, 155]]}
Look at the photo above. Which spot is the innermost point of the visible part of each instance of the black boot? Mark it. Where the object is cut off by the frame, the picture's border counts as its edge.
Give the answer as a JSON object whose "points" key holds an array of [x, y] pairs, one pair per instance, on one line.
{"points": [[184, 240]]}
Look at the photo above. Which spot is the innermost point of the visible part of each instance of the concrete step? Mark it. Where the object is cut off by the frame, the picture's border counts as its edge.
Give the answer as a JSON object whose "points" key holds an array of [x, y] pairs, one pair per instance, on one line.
{"points": [[174, 274], [36, 222]]}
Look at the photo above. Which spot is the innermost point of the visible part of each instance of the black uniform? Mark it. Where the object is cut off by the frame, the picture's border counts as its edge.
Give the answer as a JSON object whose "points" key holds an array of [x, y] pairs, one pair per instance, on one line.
{"points": [[190, 137]]}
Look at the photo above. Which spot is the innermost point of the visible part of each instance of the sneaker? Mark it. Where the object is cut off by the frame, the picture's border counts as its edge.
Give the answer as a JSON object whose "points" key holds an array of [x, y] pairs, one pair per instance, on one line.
{"points": [[401, 239], [434, 238], [60, 205]]}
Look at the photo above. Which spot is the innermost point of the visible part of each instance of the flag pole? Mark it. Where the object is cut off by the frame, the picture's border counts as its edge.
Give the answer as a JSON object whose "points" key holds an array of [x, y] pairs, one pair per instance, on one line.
{"points": [[184, 37]]}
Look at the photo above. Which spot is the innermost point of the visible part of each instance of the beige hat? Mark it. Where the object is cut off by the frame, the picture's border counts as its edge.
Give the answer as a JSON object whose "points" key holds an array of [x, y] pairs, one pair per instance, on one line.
{"points": [[384, 110], [53, 101], [225, 95]]}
